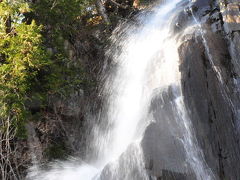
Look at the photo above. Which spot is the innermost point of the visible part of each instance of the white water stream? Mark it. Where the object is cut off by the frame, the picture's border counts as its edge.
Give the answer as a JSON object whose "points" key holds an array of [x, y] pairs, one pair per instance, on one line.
{"points": [[146, 59]]}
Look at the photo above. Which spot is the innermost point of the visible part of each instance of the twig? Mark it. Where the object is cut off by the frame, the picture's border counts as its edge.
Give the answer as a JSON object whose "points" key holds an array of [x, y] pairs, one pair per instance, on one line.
{"points": [[120, 5]]}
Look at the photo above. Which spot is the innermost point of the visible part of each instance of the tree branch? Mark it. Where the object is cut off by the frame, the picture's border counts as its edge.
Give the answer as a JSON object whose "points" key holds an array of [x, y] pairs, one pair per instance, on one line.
{"points": [[102, 11]]}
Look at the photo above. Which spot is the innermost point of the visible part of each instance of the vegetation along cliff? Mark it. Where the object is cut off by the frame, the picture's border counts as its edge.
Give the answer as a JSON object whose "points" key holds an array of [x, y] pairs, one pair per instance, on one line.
{"points": [[135, 89]]}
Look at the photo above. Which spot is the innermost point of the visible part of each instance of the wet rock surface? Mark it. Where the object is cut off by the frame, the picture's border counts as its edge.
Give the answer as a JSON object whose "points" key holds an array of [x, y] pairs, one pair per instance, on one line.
{"points": [[209, 72], [126, 167], [163, 150], [210, 68]]}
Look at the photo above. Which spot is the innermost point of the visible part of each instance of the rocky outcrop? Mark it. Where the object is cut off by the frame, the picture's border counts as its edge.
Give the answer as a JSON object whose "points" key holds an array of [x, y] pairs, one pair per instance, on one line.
{"points": [[210, 111], [230, 11], [210, 70], [164, 153], [209, 67]]}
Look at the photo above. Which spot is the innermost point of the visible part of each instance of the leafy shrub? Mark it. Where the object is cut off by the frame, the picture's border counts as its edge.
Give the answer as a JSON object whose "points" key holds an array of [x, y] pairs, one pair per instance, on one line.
{"points": [[22, 58]]}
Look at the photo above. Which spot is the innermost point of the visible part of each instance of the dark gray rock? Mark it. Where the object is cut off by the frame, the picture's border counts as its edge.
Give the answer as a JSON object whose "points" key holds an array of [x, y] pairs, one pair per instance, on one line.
{"points": [[235, 51], [168, 175], [127, 167], [201, 7], [210, 84], [162, 148], [209, 103]]}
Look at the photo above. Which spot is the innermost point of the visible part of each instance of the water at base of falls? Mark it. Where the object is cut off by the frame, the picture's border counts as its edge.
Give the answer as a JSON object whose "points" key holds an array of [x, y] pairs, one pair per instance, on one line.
{"points": [[145, 55]]}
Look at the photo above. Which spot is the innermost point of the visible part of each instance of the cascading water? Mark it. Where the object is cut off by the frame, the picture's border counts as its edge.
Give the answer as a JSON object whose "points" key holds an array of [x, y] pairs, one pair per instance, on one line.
{"points": [[146, 58]]}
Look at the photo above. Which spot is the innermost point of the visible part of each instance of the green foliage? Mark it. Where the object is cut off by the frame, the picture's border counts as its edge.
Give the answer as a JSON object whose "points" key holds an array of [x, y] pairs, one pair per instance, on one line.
{"points": [[60, 17], [21, 59], [65, 77], [146, 2], [56, 151], [27, 72], [61, 20], [13, 8], [60, 12]]}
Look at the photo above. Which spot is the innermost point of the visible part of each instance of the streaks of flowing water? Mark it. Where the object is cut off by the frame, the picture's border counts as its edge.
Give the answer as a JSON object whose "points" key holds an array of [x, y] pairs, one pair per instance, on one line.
{"points": [[146, 58], [195, 156]]}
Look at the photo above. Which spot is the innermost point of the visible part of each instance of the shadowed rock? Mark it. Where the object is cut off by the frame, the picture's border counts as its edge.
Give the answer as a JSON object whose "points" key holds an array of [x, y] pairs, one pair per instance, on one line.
{"points": [[209, 104], [162, 148]]}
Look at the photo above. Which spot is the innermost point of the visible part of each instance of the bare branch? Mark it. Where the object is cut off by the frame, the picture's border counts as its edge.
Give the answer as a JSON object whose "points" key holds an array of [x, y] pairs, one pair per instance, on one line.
{"points": [[102, 11]]}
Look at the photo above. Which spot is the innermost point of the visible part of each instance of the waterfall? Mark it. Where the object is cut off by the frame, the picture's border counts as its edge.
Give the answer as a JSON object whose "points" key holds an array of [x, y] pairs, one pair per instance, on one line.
{"points": [[145, 60]]}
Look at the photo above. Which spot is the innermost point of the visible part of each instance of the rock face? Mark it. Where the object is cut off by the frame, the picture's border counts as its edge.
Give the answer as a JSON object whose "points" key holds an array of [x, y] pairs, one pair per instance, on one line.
{"points": [[211, 113], [210, 74], [164, 153], [210, 68], [230, 11]]}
